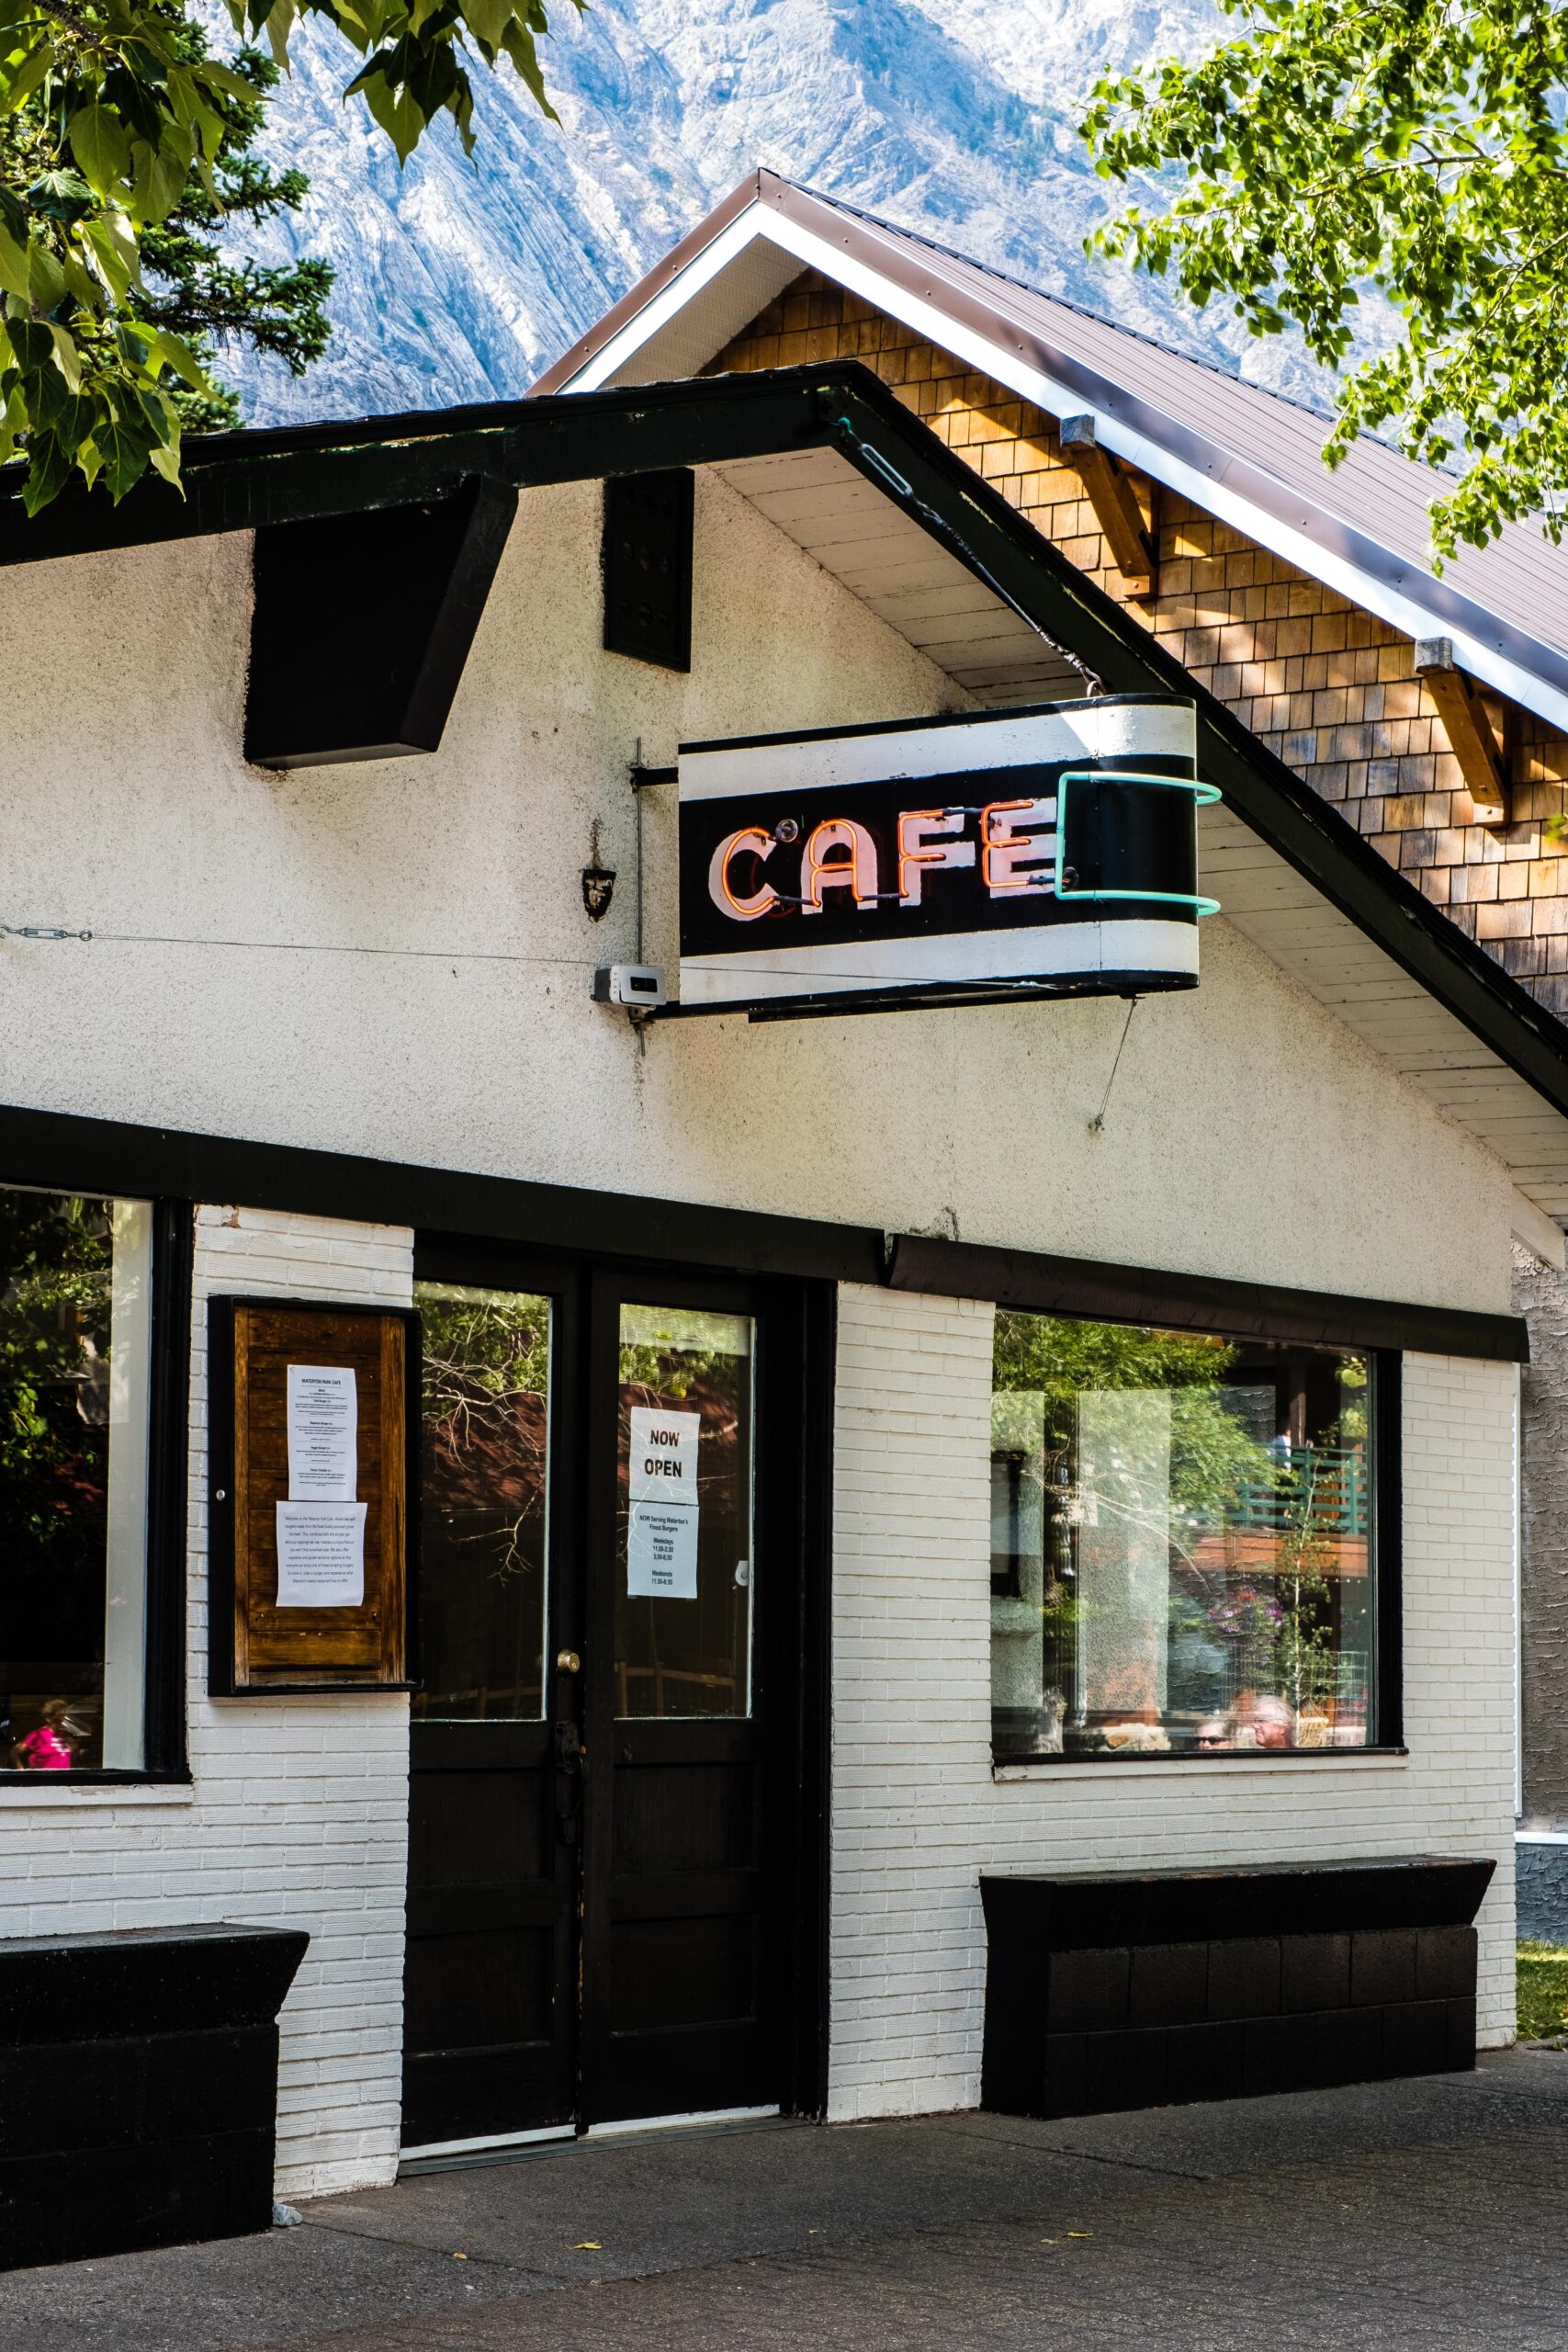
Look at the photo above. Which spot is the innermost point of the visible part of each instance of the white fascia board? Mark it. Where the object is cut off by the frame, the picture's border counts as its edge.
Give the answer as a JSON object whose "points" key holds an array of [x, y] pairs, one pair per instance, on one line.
{"points": [[1403, 612], [605, 364]]}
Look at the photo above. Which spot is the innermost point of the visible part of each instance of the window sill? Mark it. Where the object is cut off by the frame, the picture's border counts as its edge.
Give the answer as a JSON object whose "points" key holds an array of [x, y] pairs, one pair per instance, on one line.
{"points": [[1305, 1759], [24, 1789]]}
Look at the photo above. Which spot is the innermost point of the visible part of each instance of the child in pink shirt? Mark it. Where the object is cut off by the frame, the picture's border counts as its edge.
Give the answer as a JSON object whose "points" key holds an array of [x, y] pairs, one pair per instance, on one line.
{"points": [[49, 1749]]}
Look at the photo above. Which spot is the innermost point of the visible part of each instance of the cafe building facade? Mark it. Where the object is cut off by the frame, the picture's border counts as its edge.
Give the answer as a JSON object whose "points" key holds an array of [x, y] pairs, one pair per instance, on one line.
{"points": [[721, 1217]]}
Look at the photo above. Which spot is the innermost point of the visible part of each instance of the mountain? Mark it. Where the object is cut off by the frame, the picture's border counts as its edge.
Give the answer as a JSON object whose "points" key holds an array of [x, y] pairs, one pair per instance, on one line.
{"points": [[461, 280]]}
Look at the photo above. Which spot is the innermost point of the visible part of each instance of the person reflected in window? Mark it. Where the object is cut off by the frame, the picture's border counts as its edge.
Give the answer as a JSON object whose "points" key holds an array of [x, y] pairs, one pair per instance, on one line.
{"points": [[1272, 1723], [52, 1747], [1214, 1733]]}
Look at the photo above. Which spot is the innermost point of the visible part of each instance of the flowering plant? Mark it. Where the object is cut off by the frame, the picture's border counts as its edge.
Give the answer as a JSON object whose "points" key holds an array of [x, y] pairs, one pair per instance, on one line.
{"points": [[1246, 1616]]}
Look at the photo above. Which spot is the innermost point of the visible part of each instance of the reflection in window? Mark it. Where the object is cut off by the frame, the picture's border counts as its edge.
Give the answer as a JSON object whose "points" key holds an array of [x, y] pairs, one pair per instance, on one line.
{"points": [[484, 1523], [683, 1578], [1181, 1553], [75, 1280]]}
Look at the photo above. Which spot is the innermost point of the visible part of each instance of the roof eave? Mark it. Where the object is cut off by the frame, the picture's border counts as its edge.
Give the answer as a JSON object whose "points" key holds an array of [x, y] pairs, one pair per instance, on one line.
{"points": [[1234, 489]]}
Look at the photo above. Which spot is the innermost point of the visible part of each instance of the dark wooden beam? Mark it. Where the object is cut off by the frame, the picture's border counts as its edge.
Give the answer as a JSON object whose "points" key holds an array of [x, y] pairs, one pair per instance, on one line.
{"points": [[1471, 738], [1115, 505], [241, 481], [647, 560], [362, 623]]}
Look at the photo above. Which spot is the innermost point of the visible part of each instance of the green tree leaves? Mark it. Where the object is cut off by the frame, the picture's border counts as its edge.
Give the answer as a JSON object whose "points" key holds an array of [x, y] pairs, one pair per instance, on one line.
{"points": [[1414, 146], [120, 137]]}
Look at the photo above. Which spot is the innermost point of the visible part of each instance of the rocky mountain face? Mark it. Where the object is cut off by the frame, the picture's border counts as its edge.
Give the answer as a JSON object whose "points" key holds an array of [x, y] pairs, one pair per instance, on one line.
{"points": [[461, 280]]}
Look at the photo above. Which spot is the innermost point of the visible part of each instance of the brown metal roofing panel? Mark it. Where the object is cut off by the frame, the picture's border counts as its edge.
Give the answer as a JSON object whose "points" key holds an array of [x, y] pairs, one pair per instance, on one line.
{"points": [[1522, 576], [1376, 495]]}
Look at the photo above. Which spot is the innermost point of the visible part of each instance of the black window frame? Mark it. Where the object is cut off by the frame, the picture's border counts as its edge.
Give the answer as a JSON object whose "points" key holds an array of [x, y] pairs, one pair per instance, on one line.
{"points": [[165, 1753], [1386, 1690]]}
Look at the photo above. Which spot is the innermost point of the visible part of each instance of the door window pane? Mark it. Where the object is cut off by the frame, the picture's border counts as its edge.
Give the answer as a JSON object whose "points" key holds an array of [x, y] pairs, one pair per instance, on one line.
{"points": [[1182, 1543], [684, 1513], [485, 1516], [76, 1291]]}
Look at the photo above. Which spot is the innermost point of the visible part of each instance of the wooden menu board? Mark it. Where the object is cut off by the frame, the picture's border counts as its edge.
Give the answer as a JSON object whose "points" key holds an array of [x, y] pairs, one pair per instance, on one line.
{"points": [[256, 1645]]}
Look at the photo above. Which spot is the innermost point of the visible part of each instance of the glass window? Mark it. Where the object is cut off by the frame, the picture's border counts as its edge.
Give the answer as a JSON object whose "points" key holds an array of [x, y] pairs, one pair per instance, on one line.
{"points": [[684, 1513], [485, 1483], [1181, 1554], [76, 1323]]}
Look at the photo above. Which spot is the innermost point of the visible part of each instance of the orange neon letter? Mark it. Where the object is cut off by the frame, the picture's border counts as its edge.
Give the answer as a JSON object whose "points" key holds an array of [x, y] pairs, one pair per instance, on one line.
{"points": [[917, 849], [1015, 858], [754, 843], [857, 872]]}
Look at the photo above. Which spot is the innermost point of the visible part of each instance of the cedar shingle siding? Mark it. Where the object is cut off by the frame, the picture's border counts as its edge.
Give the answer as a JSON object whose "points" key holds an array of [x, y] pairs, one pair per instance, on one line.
{"points": [[1331, 690]]}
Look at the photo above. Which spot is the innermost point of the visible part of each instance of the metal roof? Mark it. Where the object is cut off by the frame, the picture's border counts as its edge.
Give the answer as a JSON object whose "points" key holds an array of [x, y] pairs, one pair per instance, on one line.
{"points": [[1245, 454]]}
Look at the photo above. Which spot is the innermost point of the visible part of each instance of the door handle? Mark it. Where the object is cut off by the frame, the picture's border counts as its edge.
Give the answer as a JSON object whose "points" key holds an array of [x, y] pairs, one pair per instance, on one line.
{"points": [[568, 1782]]}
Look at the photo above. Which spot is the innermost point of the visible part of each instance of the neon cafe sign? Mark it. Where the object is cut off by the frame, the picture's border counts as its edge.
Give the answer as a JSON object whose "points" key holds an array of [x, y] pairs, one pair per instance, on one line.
{"points": [[1049, 852]]}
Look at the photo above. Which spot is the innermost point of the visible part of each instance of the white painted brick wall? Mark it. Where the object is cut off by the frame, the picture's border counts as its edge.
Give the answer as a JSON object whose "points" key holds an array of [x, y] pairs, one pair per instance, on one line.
{"points": [[299, 1809], [298, 1816], [916, 1814]]}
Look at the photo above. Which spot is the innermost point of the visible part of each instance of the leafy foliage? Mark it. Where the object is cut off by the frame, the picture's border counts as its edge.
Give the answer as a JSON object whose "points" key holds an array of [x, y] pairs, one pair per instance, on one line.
{"points": [[1272, 1604], [485, 1401], [1213, 1456], [54, 1334], [110, 110], [1413, 146], [55, 1301], [1542, 1982], [199, 293]]}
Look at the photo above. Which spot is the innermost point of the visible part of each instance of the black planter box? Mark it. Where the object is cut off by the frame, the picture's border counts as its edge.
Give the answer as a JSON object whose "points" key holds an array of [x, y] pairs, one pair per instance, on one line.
{"points": [[1149, 1989], [137, 2087]]}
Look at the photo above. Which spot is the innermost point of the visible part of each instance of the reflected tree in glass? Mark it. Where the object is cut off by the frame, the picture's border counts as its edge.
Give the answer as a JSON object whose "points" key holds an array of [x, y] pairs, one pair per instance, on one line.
{"points": [[485, 1438]]}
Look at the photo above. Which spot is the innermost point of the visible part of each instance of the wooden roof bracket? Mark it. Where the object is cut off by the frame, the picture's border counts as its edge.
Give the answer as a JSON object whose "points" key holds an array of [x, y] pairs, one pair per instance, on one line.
{"points": [[1471, 739], [362, 623], [1114, 502]]}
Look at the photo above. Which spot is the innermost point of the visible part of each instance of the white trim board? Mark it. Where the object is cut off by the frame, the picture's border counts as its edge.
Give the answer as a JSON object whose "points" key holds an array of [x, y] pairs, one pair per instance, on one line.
{"points": [[759, 222]]}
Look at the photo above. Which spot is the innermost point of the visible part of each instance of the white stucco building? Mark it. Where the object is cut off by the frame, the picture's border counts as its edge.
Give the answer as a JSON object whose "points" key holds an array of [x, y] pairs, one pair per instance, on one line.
{"points": [[335, 1021]]}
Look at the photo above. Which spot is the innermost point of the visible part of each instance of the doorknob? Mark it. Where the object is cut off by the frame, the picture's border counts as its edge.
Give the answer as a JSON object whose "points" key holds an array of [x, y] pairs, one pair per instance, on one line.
{"points": [[568, 1662]]}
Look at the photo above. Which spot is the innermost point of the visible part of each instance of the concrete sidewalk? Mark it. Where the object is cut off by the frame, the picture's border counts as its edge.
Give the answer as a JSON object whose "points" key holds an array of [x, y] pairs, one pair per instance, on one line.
{"points": [[1431, 2213]]}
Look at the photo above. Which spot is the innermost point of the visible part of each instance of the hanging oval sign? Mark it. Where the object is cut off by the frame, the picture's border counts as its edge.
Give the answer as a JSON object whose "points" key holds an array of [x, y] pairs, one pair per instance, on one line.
{"points": [[1047, 851]]}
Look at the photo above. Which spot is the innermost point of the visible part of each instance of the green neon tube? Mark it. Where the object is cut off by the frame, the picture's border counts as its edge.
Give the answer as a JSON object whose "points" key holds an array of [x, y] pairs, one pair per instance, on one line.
{"points": [[1203, 796]]}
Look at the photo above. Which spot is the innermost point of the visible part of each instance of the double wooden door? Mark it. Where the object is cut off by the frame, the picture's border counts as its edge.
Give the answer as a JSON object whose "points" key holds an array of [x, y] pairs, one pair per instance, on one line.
{"points": [[607, 1850]]}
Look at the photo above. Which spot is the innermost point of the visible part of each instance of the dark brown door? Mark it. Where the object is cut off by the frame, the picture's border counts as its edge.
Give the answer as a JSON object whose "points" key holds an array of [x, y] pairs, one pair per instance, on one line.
{"points": [[490, 2030], [681, 1995], [607, 1857]]}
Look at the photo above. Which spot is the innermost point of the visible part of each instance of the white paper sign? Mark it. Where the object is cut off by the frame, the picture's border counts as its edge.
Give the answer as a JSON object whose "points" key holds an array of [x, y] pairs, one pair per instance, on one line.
{"points": [[664, 1456], [323, 1433], [321, 1554], [662, 1552]]}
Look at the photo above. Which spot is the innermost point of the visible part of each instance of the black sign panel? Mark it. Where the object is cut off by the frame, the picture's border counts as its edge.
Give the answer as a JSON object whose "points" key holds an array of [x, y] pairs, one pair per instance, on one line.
{"points": [[811, 881]]}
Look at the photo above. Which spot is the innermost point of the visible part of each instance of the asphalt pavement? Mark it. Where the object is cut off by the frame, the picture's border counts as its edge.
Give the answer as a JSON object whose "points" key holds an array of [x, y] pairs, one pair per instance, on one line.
{"points": [[1427, 2214]]}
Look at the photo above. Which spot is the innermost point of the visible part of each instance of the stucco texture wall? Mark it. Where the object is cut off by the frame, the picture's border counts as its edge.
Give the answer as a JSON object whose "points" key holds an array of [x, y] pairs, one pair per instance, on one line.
{"points": [[917, 1813], [394, 958]]}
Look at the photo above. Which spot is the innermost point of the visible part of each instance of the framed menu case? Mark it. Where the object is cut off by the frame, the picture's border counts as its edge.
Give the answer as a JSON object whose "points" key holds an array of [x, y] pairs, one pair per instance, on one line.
{"points": [[312, 1471]]}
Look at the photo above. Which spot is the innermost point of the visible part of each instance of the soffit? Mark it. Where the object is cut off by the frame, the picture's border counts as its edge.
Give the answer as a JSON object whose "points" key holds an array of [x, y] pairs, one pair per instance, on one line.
{"points": [[1280, 911], [883, 555], [884, 558]]}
